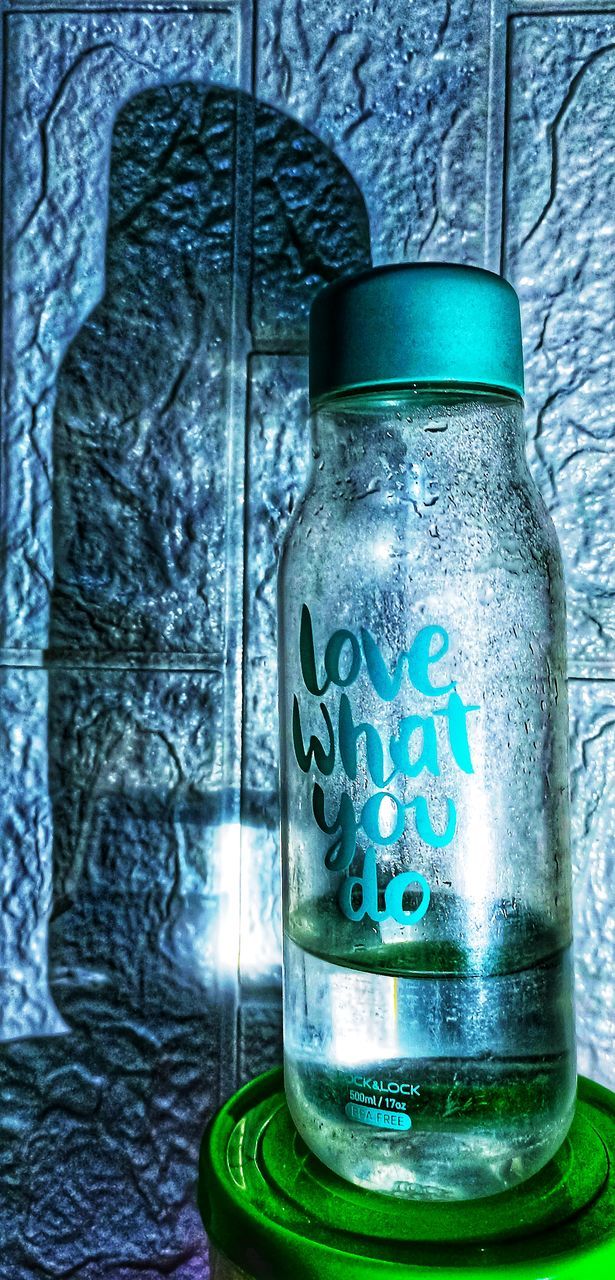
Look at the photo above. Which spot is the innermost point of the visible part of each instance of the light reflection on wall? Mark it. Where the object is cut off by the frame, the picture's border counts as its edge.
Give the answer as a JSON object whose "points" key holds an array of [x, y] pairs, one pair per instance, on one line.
{"points": [[261, 926], [225, 921]]}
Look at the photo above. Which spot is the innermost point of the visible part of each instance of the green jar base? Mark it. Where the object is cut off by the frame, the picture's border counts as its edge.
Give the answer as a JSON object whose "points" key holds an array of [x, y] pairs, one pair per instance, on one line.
{"points": [[274, 1211]]}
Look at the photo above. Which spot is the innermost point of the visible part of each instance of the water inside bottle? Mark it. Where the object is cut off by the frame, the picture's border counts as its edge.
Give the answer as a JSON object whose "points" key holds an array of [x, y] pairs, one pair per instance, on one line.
{"points": [[426, 1068]]}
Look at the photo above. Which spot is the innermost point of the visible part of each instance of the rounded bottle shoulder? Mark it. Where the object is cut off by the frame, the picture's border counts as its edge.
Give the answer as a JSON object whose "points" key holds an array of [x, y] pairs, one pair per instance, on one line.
{"points": [[429, 488], [488, 567], [423, 521]]}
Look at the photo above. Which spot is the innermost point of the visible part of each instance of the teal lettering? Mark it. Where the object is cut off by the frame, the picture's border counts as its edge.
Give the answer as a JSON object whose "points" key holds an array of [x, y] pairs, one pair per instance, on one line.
{"points": [[333, 653], [424, 827], [456, 712], [324, 760], [308, 657], [387, 686], [394, 897], [393, 894], [368, 882], [420, 658], [339, 855], [349, 732], [400, 747], [370, 818], [411, 750]]}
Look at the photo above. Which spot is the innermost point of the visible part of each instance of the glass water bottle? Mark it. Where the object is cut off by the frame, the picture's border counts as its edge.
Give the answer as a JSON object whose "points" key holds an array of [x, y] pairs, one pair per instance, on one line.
{"points": [[428, 986]]}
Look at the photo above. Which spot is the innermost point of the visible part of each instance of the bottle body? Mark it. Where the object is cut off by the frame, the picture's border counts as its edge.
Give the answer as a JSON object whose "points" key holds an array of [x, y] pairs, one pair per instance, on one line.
{"points": [[428, 1024]]}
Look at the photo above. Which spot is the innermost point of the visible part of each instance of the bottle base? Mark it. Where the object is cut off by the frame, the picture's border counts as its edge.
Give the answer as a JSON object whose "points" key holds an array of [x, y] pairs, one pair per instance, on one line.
{"points": [[437, 1161], [442, 1086]]}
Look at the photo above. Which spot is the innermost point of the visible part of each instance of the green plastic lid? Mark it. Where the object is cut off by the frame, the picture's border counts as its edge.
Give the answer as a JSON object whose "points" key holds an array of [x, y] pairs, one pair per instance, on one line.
{"points": [[415, 324], [276, 1212]]}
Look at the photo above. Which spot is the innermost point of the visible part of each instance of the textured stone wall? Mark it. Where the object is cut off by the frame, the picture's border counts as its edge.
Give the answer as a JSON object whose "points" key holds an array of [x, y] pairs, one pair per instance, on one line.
{"points": [[178, 181]]}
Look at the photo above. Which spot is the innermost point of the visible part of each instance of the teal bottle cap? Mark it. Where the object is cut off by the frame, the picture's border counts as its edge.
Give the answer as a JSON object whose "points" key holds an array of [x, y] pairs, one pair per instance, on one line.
{"points": [[276, 1212], [413, 325]]}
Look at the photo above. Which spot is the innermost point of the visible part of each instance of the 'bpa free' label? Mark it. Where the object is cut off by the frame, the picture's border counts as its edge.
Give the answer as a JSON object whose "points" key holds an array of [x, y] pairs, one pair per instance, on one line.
{"points": [[377, 1118]]}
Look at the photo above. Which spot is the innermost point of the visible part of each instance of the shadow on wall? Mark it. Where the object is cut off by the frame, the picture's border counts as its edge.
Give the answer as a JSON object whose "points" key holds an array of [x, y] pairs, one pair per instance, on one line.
{"points": [[137, 658], [140, 450]]}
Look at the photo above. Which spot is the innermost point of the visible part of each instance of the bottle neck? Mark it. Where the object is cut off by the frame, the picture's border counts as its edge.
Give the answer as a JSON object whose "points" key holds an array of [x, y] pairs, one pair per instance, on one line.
{"points": [[381, 439]]}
